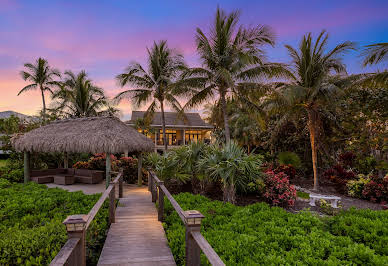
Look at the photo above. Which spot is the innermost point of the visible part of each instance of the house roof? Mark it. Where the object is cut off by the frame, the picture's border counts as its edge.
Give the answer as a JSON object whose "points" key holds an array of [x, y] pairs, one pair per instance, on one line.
{"points": [[91, 134], [193, 120]]}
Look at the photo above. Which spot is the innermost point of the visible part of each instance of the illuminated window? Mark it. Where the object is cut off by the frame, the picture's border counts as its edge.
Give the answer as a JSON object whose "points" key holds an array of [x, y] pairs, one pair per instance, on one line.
{"points": [[193, 136]]}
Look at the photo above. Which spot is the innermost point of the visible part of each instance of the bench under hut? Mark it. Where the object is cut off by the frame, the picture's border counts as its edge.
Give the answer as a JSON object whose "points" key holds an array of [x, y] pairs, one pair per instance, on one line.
{"points": [[106, 135]]}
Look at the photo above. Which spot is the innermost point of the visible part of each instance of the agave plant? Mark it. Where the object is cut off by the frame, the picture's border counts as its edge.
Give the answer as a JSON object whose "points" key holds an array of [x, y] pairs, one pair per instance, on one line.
{"points": [[232, 166]]}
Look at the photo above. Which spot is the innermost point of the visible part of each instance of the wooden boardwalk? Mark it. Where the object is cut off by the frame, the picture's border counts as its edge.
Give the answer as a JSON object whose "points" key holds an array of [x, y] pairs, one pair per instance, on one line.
{"points": [[137, 237]]}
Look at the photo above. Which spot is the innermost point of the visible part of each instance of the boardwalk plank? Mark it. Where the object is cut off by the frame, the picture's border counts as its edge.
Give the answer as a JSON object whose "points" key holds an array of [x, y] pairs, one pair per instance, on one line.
{"points": [[137, 237]]}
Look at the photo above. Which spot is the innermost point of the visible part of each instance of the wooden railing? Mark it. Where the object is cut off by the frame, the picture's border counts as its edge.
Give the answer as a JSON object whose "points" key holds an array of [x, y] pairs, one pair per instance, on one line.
{"points": [[74, 251], [195, 242]]}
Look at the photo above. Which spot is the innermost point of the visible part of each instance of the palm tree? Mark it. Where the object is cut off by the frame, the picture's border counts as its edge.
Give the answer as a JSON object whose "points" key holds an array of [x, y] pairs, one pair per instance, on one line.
{"points": [[374, 54], [79, 97], [312, 88], [233, 63], [42, 77], [155, 85]]}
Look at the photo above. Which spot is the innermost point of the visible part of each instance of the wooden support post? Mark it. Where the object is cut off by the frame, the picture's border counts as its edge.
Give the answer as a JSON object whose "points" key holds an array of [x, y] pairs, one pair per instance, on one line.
{"points": [[139, 168], [26, 166], [161, 202], [149, 181], [121, 187], [153, 190], [66, 160], [108, 170], [112, 205], [75, 226], [192, 223], [126, 154]]}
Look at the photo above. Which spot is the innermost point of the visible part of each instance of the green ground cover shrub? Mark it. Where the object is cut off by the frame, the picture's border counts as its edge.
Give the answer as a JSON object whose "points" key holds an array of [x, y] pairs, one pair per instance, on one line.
{"points": [[31, 229], [262, 235]]}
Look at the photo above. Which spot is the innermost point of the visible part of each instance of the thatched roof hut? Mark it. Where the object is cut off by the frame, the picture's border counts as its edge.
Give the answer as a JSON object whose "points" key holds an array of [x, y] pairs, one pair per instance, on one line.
{"points": [[91, 134]]}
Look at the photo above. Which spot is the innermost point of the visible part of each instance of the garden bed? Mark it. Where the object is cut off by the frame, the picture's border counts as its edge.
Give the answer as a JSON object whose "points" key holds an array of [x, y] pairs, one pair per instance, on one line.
{"points": [[31, 229], [264, 235]]}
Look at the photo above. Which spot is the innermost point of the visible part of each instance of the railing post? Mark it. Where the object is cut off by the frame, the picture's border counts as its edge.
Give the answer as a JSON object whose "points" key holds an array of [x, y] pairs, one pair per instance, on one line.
{"points": [[153, 189], [121, 186], [149, 181], [192, 223], [112, 205], [161, 202], [75, 227]]}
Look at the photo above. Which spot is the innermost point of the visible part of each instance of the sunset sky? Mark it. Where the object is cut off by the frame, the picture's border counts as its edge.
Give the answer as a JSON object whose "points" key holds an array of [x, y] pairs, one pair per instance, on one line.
{"points": [[102, 37]]}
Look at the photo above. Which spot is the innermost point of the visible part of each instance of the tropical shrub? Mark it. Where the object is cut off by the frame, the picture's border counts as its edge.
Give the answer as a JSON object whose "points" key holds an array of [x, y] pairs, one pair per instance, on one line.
{"points": [[278, 191], [288, 169], [347, 159], [261, 235], [289, 158], [81, 165], [129, 166], [339, 176], [230, 165], [377, 189], [98, 161], [31, 229], [355, 187]]}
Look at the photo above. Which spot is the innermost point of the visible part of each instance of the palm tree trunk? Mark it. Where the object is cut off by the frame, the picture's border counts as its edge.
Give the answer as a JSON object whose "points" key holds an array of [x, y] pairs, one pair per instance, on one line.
{"points": [[229, 194], [163, 126], [225, 115], [44, 105], [312, 121]]}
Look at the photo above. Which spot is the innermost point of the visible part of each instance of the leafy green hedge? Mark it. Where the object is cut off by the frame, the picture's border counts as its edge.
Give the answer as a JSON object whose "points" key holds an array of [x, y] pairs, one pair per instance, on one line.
{"points": [[31, 229], [261, 235]]}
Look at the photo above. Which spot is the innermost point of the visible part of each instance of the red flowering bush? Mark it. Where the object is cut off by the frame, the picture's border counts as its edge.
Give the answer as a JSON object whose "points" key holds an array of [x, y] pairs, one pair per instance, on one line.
{"points": [[98, 161], [81, 165], [347, 158], [340, 176], [376, 190], [278, 190], [289, 170], [129, 166]]}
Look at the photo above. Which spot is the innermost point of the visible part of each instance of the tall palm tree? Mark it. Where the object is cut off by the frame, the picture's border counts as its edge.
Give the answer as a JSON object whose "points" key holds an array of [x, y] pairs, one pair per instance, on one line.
{"points": [[41, 76], [156, 85], [233, 63], [79, 97], [374, 54], [312, 88]]}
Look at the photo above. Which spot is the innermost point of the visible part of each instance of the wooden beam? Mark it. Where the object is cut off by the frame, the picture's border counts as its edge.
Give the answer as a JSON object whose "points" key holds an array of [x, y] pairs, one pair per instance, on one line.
{"points": [[26, 166], [139, 167], [66, 160], [108, 169]]}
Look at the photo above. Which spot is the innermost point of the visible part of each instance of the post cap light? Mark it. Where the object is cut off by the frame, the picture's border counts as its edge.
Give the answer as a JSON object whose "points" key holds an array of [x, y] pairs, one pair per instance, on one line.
{"points": [[193, 217], [75, 223]]}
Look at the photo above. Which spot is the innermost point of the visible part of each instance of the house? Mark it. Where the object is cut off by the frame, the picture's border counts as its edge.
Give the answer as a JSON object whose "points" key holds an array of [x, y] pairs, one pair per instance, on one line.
{"points": [[178, 131]]}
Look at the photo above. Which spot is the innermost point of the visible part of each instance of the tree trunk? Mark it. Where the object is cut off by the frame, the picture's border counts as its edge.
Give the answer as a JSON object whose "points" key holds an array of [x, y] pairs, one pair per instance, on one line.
{"points": [[225, 115], [312, 121], [229, 193], [163, 126], [44, 105]]}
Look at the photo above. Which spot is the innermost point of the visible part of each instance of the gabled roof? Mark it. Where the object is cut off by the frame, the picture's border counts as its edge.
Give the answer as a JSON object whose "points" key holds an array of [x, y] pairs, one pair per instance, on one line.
{"points": [[193, 120]]}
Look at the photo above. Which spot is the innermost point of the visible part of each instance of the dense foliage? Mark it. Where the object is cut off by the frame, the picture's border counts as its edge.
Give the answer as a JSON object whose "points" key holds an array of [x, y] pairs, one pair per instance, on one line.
{"points": [[31, 229], [259, 234]]}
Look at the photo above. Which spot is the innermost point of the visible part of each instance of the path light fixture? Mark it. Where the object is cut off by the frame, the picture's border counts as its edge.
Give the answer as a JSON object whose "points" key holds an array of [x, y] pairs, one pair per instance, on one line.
{"points": [[75, 223], [193, 217]]}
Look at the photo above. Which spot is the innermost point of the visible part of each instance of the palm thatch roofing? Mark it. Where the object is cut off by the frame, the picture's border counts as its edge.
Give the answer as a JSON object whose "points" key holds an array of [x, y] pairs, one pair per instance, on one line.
{"points": [[91, 134]]}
